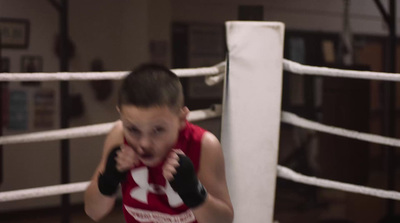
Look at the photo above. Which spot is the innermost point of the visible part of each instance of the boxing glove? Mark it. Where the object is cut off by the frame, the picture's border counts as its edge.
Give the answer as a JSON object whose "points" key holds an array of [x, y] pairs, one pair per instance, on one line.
{"points": [[109, 180], [186, 183]]}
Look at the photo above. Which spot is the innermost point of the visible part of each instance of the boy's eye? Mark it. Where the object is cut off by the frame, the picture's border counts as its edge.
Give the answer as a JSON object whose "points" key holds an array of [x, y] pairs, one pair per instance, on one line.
{"points": [[158, 130], [134, 130]]}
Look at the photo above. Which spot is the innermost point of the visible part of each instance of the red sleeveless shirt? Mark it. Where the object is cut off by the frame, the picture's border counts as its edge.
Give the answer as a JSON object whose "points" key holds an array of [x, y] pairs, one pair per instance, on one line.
{"points": [[148, 197]]}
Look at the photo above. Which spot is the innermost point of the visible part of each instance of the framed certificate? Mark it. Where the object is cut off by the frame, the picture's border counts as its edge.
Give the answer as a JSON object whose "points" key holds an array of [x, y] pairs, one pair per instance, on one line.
{"points": [[14, 33]]}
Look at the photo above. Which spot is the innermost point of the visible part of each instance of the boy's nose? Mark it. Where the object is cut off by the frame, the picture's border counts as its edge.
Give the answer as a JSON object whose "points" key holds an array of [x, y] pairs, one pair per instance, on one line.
{"points": [[145, 143]]}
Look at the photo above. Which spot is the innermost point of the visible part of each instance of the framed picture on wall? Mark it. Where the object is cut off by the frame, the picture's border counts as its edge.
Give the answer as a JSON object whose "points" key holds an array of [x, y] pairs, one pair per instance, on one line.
{"points": [[14, 33], [5, 65], [31, 63]]}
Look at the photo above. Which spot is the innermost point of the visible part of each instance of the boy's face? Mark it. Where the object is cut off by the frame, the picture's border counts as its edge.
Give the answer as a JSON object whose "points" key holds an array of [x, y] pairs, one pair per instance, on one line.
{"points": [[151, 132]]}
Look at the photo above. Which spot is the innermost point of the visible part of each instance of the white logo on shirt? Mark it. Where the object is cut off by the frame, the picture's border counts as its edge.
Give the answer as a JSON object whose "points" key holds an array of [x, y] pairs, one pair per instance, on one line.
{"points": [[158, 217], [141, 176]]}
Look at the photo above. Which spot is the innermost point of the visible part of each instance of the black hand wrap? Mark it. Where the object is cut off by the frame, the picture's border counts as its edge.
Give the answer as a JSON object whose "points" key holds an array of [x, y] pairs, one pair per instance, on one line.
{"points": [[109, 180], [186, 184]]}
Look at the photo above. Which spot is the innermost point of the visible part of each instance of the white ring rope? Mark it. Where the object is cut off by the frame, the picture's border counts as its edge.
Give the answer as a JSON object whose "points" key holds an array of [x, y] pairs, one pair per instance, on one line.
{"points": [[94, 130], [217, 71], [282, 172], [289, 174], [43, 191], [69, 133], [298, 68], [197, 115], [63, 76], [215, 79], [295, 120]]}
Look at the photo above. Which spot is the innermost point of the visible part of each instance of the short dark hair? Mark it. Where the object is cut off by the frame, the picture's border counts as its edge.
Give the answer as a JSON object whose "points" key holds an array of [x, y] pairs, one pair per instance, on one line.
{"points": [[151, 85]]}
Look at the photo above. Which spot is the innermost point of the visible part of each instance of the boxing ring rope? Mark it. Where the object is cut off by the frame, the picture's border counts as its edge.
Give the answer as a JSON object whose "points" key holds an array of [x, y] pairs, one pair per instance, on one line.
{"points": [[43, 191], [78, 132], [289, 118], [295, 120], [214, 75], [198, 115], [94, 130], [283, 172], [286, 117], [83, 76], [216, 78], [298, 68], [289, 174]]}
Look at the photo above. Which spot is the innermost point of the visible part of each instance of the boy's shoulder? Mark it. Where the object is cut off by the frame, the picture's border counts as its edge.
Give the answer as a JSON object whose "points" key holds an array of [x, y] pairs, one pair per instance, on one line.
{"points": [[193, 131], [204, 137]]}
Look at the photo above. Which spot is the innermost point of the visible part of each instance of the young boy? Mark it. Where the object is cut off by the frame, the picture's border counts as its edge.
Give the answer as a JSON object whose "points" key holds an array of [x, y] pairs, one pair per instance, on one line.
{"points": [[169, 169]]}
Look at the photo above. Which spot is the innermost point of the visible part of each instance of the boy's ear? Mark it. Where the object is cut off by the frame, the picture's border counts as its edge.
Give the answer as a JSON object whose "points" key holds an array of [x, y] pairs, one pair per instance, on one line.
{"points": [[183, 116]]}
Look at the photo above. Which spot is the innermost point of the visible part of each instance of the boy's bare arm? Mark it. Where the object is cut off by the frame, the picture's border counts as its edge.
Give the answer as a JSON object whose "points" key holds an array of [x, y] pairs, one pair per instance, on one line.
{"points": [[98, 205], [217, 206]]}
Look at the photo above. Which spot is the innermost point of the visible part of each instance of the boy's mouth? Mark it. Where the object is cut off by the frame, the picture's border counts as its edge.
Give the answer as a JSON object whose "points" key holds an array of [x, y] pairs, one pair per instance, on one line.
{"points": [[146, 156]]}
